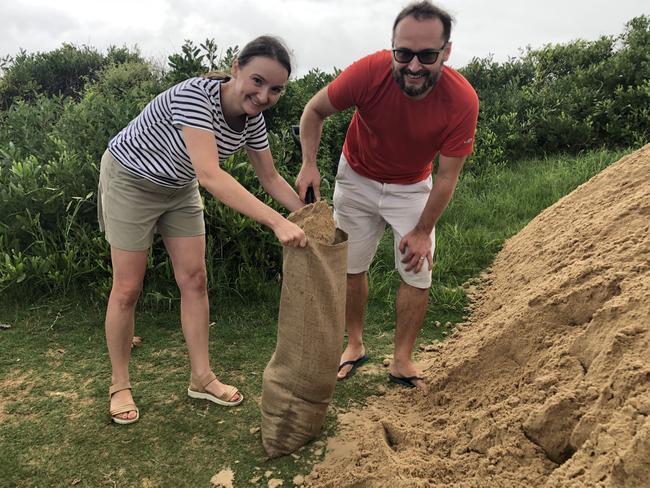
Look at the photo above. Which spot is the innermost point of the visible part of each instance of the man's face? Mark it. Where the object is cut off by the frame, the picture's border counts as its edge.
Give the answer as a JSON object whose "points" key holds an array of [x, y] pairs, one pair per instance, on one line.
{"points": [[415, 78]]}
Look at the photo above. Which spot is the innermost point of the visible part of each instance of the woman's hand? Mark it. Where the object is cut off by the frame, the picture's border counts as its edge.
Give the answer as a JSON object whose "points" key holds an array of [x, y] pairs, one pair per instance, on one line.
{"points": [[289, 234]]}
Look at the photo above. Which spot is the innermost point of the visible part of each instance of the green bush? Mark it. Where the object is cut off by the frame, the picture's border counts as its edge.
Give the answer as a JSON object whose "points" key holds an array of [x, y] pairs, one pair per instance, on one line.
{"points": [[26, 127], [287, 112], [62, 72], [47, 237], [564, 98], [106, 107], [58, 111], [195, 61]]}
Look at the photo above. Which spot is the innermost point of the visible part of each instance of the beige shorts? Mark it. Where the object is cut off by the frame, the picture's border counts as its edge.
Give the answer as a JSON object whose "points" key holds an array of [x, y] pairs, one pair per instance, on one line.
{"points": [[130, 209], [363, 207]]}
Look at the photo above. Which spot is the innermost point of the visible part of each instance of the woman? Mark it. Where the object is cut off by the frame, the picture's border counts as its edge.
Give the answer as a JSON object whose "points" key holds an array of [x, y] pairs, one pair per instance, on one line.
{"points": [[149, 182]]}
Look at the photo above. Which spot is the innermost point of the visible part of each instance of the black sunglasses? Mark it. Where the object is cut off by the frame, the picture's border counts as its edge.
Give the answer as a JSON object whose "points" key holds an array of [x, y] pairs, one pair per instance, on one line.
{"points": [[426, 56]]}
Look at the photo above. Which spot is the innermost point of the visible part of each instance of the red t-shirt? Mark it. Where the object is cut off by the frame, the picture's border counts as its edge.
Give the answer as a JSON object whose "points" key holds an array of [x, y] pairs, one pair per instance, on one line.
{"points": [[393, 138]]}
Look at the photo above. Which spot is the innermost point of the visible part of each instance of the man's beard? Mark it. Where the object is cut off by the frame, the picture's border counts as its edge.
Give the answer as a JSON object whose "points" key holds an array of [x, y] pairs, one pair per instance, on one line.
{"points": [[430, 80]]}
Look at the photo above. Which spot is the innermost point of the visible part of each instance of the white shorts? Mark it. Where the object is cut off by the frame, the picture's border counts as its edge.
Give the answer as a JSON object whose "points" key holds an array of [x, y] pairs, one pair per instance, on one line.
{"points": [[363, 207]]}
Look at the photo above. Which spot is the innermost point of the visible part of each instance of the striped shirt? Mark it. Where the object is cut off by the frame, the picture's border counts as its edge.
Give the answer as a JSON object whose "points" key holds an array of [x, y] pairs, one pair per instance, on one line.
{"points": [[152, 145]]}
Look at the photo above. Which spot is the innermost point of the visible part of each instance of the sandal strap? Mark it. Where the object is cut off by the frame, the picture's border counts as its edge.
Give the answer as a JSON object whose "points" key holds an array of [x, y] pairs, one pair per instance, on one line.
{"points": [[229, 394], [125, 385], [199, 384], [127, 407]]}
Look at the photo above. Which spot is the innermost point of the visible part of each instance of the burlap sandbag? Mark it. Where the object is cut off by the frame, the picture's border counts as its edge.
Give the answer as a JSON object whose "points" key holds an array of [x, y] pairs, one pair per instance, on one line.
{"points": [[299, 379]]}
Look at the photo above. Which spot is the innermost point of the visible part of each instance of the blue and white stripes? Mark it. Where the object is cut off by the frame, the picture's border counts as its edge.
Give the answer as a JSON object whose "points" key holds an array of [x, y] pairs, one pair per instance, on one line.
{"points": [[152, 145]]}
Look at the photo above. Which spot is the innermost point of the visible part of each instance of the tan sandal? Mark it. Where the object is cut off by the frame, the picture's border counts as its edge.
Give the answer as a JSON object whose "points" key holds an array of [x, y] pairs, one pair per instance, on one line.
{"points": [[197, 390], [126, 407]]}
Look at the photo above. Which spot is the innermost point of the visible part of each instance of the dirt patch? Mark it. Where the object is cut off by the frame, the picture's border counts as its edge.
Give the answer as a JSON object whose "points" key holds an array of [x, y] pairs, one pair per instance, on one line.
{"points": [[548, 382], [372, 369], [167, 355], [14, 389], [223, 478]]}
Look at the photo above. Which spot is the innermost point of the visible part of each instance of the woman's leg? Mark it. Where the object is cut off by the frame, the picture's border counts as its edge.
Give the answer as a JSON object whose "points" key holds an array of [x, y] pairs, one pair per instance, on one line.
{"points": [[188, 259], [128, 273]]}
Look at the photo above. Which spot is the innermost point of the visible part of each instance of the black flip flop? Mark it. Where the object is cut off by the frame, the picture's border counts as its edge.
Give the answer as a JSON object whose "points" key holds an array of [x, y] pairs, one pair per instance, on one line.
{"points": [[407, 381], [355, 363]]}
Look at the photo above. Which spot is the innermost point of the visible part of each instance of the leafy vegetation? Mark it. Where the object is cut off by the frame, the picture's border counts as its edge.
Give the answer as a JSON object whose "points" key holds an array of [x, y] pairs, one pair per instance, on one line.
{"points": [[564, 98], [561, 104], [59, 109], [54, 368]]}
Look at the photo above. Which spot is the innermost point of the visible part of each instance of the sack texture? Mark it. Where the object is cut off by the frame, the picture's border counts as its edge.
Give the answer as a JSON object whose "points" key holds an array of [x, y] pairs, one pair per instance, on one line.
{"points": [[299, 380]]}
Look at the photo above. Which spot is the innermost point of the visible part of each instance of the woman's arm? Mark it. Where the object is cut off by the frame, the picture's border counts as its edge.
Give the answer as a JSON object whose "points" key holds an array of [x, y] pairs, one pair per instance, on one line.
{"points": [[274, 184], [204, 155]]}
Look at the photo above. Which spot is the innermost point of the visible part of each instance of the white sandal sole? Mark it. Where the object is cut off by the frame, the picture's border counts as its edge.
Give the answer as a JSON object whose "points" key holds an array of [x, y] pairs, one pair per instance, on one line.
{"points": [[125, 421], [210, 397]]}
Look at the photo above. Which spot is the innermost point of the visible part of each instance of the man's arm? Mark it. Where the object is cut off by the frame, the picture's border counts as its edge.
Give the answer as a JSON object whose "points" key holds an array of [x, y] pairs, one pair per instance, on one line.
{"points": [[417, 243], [311, 127], [274, 184]]}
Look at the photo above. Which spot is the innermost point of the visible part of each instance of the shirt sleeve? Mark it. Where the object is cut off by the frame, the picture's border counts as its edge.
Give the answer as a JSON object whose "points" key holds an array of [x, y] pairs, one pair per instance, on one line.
{"points": [[460, 141], [350, 87], [191, 106]]}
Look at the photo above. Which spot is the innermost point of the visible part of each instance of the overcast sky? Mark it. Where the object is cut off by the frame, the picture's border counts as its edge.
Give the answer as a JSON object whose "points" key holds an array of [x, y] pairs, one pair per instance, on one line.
{"points": [[322, 33]]}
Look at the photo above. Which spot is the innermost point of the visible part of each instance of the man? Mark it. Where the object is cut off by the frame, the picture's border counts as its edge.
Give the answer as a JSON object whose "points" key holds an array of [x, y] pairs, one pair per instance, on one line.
{"points": [[410, 107]]}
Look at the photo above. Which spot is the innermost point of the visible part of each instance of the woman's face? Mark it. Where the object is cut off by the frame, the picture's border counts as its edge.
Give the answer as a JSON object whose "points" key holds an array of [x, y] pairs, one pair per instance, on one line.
{"points": [[258, 84]]}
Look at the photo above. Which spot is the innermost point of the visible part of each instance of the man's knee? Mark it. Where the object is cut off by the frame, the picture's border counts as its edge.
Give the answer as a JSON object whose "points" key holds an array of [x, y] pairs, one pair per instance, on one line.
{"points": [[421, 280], [357, 280], [417, 288], [357, 276]]}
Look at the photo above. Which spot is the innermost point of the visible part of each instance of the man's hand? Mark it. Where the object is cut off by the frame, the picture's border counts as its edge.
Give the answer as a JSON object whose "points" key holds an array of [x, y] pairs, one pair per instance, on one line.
{"points": [[416, 248], [416, 245], [308, 176], [311, 127]]}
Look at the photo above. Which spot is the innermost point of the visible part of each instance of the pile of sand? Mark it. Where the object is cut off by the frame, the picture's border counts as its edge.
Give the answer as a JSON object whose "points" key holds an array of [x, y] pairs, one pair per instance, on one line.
{"points": [[548, 383]]}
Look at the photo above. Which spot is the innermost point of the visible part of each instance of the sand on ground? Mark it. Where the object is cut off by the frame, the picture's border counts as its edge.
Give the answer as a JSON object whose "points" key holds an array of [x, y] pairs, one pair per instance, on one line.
{"points": [[547, 383]]}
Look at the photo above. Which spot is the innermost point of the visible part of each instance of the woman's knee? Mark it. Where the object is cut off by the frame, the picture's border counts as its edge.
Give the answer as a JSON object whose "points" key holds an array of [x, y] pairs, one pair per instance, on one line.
{"points": [[194, 281], [125, 294]]}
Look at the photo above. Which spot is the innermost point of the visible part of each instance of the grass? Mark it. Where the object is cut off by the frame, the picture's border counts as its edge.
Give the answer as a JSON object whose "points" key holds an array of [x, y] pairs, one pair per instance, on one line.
{"points": [[54, 370]]}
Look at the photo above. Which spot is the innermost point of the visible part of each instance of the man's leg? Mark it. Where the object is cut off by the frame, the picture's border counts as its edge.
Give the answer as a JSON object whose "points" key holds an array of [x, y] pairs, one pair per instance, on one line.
{"points": [[356, 212], [402, 209], [355, 310], [411, 307]]}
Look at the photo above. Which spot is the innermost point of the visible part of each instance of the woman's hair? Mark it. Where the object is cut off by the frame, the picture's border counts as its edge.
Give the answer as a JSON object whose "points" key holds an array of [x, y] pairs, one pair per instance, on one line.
{"points": [[216, 75], [266, 46]]}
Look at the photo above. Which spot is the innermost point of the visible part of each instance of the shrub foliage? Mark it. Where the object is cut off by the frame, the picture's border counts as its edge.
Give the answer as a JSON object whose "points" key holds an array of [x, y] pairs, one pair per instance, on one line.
{"points": [[59, 109]]}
